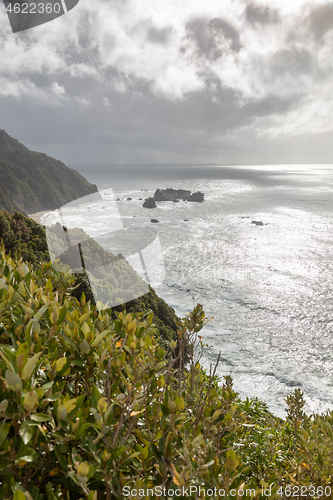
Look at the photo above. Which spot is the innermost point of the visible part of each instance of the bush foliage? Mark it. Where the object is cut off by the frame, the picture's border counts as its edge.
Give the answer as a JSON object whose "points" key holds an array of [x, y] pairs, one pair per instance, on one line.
{"points": [[21, 236], [91, 402]]}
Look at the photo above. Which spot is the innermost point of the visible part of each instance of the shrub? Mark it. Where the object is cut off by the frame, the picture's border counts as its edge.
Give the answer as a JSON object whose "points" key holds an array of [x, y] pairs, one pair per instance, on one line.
{"points": [[89, 405]]}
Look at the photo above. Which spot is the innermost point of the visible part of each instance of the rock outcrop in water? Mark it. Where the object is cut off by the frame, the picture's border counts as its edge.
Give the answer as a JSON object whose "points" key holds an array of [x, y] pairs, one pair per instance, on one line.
{"points": [[175, 195], [198, 197], [170, 194], [257, 222], [149, 203]]}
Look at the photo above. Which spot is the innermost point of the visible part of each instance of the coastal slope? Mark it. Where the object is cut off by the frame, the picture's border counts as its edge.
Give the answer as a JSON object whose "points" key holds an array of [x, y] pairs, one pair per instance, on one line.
{"points": [[32, 182]]}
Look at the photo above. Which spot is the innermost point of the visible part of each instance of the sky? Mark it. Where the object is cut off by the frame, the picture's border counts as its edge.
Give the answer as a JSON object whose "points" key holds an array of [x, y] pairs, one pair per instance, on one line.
{"points": [[190, 81]]}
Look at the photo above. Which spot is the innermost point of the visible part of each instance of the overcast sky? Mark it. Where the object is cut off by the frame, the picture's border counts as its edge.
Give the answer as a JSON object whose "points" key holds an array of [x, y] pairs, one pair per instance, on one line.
{"points": [[173, 81]]}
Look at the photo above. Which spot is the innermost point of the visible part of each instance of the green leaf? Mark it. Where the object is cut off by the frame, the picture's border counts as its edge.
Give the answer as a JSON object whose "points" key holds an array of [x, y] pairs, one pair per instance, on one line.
{"points": [[27, 455], [4, 405], [30, 400], [54, 397], [84, 347], [78, 362], [4, 429], [95, 396], [92, 495], [41, 311], [60, 363], [6, 360], [102, 405], [25, 432], [85, 328], [100, 337], [40, 417], [155, 451], [35, 493], [62, 314], [114, 387], [19, 495], [4, 465], [50, 492], [14, 382], [165, 410], [30, 365], [157, 367], [47, 386], [78, 403], [83, 429]]}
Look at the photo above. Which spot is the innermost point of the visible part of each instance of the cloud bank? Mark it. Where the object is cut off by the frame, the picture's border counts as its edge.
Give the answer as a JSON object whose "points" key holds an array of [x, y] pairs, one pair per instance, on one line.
{"points": [[123, 82]]}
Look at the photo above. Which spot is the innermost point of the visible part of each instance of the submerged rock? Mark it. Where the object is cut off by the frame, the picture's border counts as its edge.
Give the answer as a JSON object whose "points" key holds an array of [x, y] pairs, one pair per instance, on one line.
{"points": [[257, 222]]}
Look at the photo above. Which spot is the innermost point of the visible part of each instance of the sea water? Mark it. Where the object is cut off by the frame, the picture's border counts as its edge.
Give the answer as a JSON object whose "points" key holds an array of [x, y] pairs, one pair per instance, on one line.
{"points": [[268, 288]]}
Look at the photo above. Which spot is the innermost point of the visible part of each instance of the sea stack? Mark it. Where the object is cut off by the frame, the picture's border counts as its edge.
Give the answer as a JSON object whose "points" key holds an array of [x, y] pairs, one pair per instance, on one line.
{"points": [[149, 203], [170, 194]]}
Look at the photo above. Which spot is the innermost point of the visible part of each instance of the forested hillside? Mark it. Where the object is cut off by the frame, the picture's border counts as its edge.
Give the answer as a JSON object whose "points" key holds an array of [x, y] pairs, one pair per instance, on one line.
{"points": [[32, 181], [22, 236]]}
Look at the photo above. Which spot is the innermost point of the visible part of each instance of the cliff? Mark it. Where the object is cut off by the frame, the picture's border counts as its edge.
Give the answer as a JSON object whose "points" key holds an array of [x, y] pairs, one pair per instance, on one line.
{"points": [[32, 182]]}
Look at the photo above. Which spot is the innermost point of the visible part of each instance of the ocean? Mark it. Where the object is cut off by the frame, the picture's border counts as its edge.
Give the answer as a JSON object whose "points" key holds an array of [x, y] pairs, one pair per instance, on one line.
{"points": [[268, 287]]}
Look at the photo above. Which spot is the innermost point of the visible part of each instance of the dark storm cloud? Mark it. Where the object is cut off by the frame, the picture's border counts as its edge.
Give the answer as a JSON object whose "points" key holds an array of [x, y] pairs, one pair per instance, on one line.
{"points": [[133, 124], [146, 130], [269, 105], [137, 123], [259, 14], [321, 20], [160, 36], [210, 37], [220, 28]]}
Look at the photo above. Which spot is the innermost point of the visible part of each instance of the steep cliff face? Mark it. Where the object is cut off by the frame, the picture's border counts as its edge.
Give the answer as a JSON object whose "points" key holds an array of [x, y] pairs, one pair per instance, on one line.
{"points": [[32, 181]]}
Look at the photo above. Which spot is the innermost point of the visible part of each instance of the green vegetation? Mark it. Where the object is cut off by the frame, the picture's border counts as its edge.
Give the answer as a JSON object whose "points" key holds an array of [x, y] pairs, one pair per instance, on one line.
{"points": [[32, 182], [95, 404], [90, 405], [6, 201], [22, 236]]}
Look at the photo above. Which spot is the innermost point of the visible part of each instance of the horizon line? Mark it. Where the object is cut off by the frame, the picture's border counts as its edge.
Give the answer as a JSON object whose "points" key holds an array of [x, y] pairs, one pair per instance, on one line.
{"points": [[216, 164]]}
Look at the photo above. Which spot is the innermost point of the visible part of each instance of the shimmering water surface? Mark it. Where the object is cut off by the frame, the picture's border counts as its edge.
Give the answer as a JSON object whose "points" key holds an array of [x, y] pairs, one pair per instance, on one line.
{"points": [[269, 288]]}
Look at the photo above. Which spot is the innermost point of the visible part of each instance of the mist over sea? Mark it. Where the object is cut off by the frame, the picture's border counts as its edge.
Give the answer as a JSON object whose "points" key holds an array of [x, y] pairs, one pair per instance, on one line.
{"points": [[269, 288]]}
